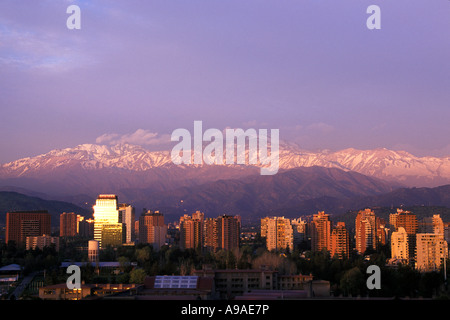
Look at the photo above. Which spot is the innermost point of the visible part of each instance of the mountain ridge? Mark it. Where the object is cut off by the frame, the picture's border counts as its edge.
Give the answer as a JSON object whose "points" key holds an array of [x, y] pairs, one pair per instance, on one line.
{"points": [[13, 201], [396, 166]]}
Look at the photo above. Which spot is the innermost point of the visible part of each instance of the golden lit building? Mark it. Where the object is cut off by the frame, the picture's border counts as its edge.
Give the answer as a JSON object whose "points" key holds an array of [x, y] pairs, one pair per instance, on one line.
{"points": [[23, 224], [106, 211], [152, 229], [431, 250], [40, 242], [69, 224], [113, 234], [432, 224], [365, 231], [264, 225], [321, 232], [93, 251], [210, 234], [399, 244], [127, 217], [222, 232], [229, 230], [191, 231], [279, 235], [340, 242], [408, 221]]}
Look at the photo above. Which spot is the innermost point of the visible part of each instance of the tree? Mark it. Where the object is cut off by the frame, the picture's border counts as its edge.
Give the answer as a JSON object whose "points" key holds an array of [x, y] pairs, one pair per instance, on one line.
{"points": [[124, 263], [137, 276], [352, 282], [143, 255]]}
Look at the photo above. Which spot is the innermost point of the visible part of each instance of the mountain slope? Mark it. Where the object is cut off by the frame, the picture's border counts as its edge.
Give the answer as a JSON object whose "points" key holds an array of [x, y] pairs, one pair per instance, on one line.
{"points": [[418, 197], [13, 201], [258, 195]]}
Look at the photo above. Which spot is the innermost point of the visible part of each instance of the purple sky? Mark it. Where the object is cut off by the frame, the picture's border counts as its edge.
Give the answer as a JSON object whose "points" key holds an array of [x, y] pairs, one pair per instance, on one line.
{"points": [[137, 70]]}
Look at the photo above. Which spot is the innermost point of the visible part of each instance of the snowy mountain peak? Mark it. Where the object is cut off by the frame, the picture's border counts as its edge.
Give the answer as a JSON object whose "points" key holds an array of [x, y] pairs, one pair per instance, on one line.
{"points": [[399, 166]]}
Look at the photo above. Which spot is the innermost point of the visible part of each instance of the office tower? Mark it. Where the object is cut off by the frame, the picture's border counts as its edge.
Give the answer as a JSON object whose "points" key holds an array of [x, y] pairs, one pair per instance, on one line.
{"points": [[40, 242], [320, 232], [340, 242], [191, 231], [69, 224], [86, 228], [152, 229], [93, 251], [280, 234], [23, 224], [365, 231], [127, 217], [431, 250], [113, 234], [106, 211], [399, 244], [408, 221]]}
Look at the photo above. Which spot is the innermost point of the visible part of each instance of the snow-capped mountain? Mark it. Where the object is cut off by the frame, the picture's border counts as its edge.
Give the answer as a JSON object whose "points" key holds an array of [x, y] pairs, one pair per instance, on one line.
{"points": [[91, 156], [397, 166]]}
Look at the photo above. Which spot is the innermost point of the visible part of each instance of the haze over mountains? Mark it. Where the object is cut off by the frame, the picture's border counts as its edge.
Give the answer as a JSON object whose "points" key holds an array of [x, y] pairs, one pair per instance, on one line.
{"points": [[150, 179]]}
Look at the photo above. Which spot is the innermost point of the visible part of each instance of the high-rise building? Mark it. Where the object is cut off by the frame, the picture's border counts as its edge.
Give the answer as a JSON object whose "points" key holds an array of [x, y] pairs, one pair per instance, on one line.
{"points": [[152, 229], [127, 217], [393, 219], [280, 234], [106, 213], [230, 229], [299, 228], [222, 232], [432, 224], [211, 234], [431, 250], [191, 231], [320, 232], [69, 224], [382, 231], [365, 231], [340, 242], [86, 228], [113, 234], [264, 226], [447, 231], [399, 244], [23, 224], [408, 221]]}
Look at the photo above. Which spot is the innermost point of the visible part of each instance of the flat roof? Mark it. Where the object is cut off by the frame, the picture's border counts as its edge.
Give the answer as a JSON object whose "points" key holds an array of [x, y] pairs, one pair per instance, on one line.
{"points": [[11, 267], [106, 264]]}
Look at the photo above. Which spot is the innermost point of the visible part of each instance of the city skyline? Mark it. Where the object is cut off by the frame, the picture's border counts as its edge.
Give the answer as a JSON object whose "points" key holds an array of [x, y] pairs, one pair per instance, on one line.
{"points": [[137, 71]]}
